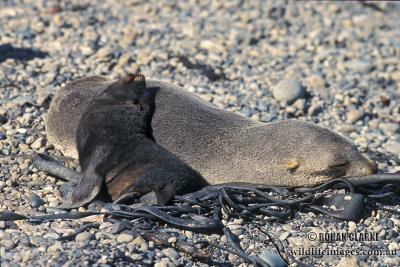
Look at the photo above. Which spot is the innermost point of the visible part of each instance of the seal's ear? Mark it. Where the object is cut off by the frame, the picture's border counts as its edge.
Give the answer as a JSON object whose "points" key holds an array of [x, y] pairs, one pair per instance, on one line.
{"points": [[129, 78], [87, 189], [292, 165]]}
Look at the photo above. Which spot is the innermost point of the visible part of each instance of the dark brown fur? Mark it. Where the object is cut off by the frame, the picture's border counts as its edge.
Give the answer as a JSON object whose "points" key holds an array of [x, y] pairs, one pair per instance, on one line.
{"points": [[116, 149]]}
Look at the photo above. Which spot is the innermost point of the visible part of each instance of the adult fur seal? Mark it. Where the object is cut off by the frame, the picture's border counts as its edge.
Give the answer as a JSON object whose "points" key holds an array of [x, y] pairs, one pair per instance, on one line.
{"points": [[221, 145], [116, 149]]}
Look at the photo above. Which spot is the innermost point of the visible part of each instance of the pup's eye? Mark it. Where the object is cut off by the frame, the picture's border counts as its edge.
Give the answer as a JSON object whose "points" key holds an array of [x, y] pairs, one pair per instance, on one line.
{"points": [[146, 93]]}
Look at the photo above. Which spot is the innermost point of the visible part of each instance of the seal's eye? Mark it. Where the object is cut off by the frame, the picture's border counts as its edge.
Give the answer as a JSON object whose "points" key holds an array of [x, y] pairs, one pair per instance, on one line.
{"points": [[339, 170], [146, 93], [340, 165]]}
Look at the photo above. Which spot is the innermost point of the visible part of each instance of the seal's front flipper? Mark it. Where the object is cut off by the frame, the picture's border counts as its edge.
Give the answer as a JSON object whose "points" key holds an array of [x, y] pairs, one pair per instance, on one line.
{"points": [[87, 189], [153, 187], [158, 181]]}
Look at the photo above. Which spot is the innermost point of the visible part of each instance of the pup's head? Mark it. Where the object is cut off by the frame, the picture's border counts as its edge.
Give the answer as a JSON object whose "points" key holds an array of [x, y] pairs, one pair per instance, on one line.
{"points": [[131, 89]]}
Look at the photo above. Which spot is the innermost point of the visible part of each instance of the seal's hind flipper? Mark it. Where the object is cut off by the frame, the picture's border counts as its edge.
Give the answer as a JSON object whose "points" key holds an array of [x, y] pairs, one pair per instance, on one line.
{"points": [[53, 167]]}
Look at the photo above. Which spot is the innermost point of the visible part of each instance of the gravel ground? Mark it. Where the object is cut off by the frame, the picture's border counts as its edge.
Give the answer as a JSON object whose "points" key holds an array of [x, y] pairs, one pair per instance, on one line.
{"points": [[335, 64]]}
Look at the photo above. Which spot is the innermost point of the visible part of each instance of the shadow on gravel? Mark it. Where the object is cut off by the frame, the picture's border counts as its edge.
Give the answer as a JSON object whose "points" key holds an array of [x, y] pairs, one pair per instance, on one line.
{"points": [[23, 54]]}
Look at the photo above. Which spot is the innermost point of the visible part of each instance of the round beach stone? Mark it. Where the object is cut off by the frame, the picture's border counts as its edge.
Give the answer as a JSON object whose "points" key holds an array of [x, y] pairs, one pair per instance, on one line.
{"points": [[315, 109], [393, 146], [37, 143], [349, 262], [56, 247], [272, 259], [35, 201], [389, 127], [354, 115], [395, 75], [125, 238], [359, 65], [7, 243], [171, 253], [288, 90], [316, 80], [85, 236]]}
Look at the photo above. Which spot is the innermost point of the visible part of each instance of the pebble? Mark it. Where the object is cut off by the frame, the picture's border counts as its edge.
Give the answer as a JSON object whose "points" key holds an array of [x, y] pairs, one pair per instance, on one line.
{"points": [[56, 247], [23, 146], [346, 128], [272, 259], [7, 243], [38, 143], [396, 222], [284, 236], [125, 238], [354, 115], [349, 262], [288, 90], [352, 226], [51, 235], [359, 65], [172, 240], [137, 257], [171, 253], [390, 127], [392, 261], [85, 236], [393, 146], [297, 241], [316, 80], [394, 246], [395, 75], [138, 241], [314, 110], [164, 264], [35, 201], [37, 240], [378, 228]]}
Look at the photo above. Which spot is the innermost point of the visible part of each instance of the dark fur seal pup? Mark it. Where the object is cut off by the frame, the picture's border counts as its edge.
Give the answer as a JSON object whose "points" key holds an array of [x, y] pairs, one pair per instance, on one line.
{"points": [[117, 150], [223, 146]]}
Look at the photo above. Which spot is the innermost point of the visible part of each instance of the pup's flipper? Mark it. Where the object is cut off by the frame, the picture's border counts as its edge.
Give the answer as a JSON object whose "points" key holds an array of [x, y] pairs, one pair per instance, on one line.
{"points": [[87, 189], [156, 184]]}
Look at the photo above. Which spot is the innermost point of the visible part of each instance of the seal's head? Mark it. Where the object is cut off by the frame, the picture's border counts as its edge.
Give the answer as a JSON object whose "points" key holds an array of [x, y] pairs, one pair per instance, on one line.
{"points": [[130, 90], [293, 153], [316, 154]]}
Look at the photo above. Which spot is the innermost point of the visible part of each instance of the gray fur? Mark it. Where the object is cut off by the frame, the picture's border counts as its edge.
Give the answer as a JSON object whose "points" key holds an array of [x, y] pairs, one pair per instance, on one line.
{"points": [[223, 146]]}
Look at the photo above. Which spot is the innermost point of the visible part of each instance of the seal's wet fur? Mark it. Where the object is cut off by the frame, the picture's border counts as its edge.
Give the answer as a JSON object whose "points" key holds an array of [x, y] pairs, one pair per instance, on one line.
{"points": [[117, 150]]}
